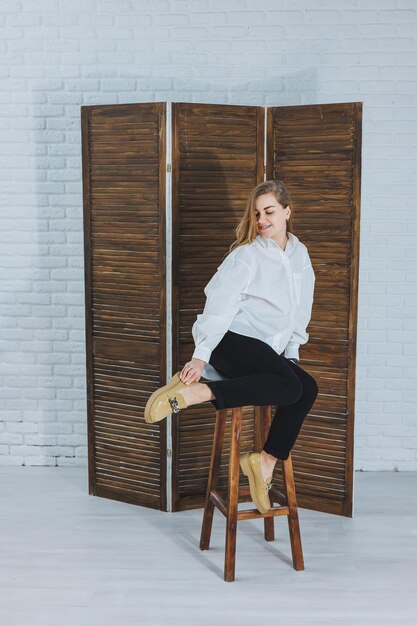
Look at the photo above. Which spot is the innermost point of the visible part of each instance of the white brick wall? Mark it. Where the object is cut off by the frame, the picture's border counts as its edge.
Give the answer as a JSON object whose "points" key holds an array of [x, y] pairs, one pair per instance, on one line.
{"points": [[56, 56]]}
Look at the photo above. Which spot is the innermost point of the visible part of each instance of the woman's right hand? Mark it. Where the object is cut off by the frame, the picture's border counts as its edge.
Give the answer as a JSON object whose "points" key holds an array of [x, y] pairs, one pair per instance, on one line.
{"points": [[192, 371]]}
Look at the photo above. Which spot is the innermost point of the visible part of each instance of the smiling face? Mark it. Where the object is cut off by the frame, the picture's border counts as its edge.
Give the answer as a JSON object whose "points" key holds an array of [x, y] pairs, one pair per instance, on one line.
{"points": [[271, 216]]}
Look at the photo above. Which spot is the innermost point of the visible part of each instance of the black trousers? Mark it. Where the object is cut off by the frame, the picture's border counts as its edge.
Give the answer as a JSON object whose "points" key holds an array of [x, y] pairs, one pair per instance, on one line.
{"points": [[259, 376]]}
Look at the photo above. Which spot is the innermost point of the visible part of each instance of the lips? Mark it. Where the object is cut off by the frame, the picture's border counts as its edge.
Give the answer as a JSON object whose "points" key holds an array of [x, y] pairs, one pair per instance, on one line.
{"points": [[265, 228]]}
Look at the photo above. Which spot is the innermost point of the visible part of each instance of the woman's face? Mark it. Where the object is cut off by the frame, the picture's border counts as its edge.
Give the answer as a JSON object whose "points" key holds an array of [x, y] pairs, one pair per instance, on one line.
{"points": [[271, 216]]}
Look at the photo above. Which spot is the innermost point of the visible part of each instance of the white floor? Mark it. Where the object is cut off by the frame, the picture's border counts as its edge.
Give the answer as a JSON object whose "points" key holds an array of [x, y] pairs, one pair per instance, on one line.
{"points": [[68, 558]]}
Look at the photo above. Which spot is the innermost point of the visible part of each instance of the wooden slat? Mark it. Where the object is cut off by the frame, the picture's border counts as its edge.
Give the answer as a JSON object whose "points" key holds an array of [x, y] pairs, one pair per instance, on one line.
{"points": [[316, 150], [124, 216]]}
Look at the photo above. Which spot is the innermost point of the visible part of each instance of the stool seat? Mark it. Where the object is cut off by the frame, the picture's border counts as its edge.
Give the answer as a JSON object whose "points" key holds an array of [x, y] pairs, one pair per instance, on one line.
{"points": [[227, 500]]}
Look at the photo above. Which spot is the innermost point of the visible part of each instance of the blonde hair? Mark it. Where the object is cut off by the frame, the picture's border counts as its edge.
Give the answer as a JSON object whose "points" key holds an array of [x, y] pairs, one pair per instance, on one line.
{"points": [[246, 230]]}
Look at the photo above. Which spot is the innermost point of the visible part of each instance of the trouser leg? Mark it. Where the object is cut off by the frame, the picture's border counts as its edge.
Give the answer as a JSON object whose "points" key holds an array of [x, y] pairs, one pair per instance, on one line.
{"points": [[258, 376], [256, 390], [288, 420]]}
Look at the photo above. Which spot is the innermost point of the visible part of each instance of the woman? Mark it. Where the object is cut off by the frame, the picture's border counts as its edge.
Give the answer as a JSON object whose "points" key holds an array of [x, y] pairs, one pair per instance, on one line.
{"points": [[258, 306]]}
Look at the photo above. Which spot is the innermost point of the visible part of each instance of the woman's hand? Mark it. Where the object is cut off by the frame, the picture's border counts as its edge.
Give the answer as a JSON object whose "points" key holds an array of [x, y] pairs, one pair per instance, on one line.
{"points": [[192, 371]]}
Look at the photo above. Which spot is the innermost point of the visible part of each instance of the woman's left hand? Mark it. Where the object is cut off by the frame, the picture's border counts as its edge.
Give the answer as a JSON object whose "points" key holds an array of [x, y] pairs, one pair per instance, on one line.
{"points": [[192, 371]]}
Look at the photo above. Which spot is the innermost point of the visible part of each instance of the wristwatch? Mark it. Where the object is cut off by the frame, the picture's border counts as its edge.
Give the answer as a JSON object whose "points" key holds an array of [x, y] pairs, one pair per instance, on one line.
{"points": [[294, 360]]}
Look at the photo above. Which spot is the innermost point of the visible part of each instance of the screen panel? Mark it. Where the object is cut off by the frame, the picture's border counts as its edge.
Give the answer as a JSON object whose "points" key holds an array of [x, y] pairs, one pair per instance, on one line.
{"points": [[316, 151], [218, 157], [125, 294]]}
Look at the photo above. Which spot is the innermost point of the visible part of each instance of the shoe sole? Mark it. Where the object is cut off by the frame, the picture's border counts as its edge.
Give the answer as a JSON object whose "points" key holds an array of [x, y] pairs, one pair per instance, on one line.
{"points": [[154, 397], [247, 470]]}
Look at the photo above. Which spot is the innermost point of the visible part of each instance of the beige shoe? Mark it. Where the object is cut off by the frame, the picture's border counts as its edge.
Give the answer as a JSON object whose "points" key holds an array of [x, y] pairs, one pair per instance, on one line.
{"points": [[166, 400], [250, 462]]}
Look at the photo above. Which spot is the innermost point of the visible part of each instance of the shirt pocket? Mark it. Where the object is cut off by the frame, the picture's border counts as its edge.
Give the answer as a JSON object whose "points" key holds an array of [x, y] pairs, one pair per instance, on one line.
{"points": [[297, 286]]}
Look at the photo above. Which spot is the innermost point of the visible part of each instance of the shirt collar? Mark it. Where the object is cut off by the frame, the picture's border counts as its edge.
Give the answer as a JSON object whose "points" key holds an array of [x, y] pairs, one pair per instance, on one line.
{"points": [[266, 242]]}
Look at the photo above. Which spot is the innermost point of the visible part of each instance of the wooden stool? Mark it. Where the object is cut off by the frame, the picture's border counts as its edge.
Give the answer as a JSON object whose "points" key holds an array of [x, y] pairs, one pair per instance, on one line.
{"points": [[229, 506]]}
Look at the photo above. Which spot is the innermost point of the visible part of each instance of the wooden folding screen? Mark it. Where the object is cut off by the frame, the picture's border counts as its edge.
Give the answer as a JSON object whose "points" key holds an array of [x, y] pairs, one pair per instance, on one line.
{"points": [[217, 157]]}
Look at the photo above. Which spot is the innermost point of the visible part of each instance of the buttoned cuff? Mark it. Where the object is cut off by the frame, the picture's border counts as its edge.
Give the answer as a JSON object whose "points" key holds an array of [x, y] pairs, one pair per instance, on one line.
{"points": [[292, 350], [202, 353]]}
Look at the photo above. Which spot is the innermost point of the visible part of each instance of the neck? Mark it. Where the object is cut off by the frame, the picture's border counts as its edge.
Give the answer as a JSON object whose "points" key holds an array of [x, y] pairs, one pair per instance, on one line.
{"points": [[281, 240]]}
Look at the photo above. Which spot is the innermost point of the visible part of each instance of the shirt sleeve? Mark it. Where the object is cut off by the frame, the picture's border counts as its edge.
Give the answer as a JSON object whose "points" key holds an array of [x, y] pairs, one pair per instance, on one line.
{"points": [[224, 292], [299, 335]]}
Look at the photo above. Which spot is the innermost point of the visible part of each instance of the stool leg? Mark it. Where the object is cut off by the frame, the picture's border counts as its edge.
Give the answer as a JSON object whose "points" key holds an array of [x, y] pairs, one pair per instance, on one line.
{"points": [[216, 456], [233, 495], [269, 531], [293, 525]]}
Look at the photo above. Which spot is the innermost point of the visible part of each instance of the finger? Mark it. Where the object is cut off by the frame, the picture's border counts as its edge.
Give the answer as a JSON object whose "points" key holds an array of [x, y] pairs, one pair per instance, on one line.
{"points": [[189, 376], [184, 372]]}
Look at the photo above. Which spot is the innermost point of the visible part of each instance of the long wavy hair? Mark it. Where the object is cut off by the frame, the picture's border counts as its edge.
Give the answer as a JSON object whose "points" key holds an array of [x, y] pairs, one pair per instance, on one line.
{"points": [[246, 230]]}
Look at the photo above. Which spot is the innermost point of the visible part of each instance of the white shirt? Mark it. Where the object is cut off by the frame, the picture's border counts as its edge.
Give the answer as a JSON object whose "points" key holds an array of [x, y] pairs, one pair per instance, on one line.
{"points": [[260, 291]]}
